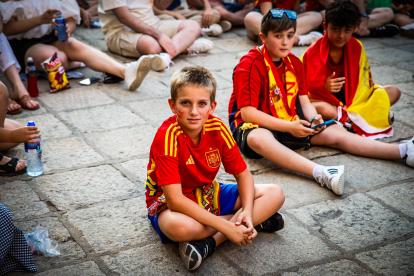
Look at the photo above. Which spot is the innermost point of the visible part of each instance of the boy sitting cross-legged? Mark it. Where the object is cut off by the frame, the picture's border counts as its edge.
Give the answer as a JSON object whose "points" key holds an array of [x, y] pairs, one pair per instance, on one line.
{"points": [[185, 204], [270, 112], [339, 80]]}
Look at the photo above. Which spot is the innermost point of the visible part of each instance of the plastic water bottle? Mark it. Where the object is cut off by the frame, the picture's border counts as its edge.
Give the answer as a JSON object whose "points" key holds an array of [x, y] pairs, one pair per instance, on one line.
{"points": [[34, 156], [61, 28], [31, 76]]}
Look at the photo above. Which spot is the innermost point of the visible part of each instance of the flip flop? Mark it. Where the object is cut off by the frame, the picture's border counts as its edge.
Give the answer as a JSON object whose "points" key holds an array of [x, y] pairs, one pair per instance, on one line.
{"points": [[9, 169], [24, 101], [16, 111]]}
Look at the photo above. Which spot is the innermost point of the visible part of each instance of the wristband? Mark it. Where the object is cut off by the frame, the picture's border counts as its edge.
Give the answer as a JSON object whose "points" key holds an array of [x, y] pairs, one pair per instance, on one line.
{"points": [[313, 118], [365, 15]]}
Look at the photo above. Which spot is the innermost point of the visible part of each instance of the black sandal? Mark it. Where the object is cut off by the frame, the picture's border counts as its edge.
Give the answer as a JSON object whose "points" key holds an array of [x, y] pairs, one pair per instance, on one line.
{"points": [[9, 169], [109, 78]]}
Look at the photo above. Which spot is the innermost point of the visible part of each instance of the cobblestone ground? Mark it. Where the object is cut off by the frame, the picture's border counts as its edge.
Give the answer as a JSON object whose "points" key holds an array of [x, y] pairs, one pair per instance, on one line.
{"points": [[96, 142]]}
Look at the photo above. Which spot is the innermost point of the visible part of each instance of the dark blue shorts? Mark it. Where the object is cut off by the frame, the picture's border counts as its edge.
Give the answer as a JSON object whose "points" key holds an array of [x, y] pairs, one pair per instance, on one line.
{"points": [[233, 7], [228, 196]]}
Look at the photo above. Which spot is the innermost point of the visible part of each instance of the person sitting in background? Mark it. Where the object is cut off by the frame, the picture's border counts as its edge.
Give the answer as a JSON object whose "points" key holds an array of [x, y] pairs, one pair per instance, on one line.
{"points": [[306, 22], [10, 67], [207, 18], [89, 12], [29, 26], [232, 12], [131, 29], [404, 16]]}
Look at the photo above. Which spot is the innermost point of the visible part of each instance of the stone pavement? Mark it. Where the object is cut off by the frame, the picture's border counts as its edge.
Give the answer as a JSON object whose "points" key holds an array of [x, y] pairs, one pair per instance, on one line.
{"points": [[96, 142]]}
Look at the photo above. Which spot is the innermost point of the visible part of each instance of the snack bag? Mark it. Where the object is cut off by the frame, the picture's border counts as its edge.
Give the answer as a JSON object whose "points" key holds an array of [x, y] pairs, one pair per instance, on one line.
{"points": [[56, 73]]}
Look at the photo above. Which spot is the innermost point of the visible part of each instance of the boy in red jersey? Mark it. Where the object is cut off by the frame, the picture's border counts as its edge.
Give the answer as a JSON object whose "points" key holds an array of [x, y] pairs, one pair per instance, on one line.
{"points": [[339, 81], [185, 204], [270, 91]]}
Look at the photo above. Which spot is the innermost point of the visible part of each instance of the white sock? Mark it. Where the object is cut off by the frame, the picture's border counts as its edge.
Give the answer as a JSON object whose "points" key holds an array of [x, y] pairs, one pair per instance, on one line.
{"points": [[317, 171], [403, 149]]}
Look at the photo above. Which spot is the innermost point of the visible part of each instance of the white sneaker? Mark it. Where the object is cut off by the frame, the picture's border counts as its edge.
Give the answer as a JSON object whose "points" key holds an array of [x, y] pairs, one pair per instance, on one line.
{"points": [[409, 155], [391, 117], [160, 62], [201, 45], [309, 38], [213, 30], [225, 25], [333, 178], [136, 71]]}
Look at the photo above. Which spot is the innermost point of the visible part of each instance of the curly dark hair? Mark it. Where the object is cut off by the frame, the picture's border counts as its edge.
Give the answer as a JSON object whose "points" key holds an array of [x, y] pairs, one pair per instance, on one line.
{"points": [[342, 13]]}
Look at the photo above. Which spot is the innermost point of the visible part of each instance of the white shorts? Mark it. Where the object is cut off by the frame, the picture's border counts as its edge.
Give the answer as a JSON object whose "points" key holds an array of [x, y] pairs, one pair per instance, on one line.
{"points": [[7, 55]]}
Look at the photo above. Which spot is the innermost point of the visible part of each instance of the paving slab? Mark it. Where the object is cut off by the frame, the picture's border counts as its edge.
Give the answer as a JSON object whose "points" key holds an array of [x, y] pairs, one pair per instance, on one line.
{"points": [[69, 153], [366, 221], [158, 259], [406, 88], [76, 98], [79, 188], [299, 190], [364, 173], [235, 44], [114, 225], [339, 268], [215, 62], [137, 167], [407, 47], [401, 132], [400, 197], [387, 75], [22, 200], [405, 116], [270, 252], [223, 99], [392, 259], [28, 113], [49, 126], [389, 55], [88, 268], [156, 111], [56, 229], [101, 118], [125, 142]]}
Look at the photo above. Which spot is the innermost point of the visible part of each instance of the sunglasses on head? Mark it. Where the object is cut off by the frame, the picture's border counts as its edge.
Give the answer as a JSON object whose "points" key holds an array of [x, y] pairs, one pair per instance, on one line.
{"points": [[277, 13]]}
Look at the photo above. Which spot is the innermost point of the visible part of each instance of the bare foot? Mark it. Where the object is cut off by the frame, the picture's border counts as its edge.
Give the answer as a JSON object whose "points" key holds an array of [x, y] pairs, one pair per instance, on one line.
{"points": [[30, 104], [20, 165], [12, 106]]}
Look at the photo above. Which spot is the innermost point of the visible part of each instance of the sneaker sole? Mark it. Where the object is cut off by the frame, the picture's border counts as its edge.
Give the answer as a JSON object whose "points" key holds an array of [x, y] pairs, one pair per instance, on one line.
{"points": [[191, 258], [157, 63], [143, 69], [225, 25], [284, 222], [340, 184]]}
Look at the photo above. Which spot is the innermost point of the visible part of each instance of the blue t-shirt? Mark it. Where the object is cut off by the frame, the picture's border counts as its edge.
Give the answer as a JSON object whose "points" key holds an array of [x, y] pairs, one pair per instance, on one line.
{"points": [[174, 4]]}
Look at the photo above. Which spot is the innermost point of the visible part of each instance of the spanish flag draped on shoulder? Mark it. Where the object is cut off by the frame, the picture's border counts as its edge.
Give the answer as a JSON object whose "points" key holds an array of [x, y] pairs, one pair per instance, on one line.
{"points": [[368, 105]]}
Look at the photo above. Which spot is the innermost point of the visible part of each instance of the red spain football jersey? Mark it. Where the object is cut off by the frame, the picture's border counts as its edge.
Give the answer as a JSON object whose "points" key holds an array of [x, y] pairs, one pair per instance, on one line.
{"points": [[174, 158]]}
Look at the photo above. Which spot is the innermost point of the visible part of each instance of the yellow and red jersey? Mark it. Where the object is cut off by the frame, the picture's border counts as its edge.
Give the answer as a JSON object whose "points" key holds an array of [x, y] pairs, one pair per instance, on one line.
{"points": [[174, 158]]}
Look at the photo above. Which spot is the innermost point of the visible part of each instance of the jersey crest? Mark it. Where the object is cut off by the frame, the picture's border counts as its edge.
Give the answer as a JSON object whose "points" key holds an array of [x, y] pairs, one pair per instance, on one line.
{"points": [[213, 158]]}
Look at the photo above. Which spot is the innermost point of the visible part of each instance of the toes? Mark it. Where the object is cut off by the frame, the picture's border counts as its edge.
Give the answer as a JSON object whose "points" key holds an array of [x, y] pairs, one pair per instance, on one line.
{"points": [[20, 166]]}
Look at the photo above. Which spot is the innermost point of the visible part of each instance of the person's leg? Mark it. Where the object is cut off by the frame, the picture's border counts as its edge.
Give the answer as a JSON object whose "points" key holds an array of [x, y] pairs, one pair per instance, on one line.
{"points": [[264, 143], [41, 52], [18, 88], [236, 19], [179, 227], [379, 17], [337, 137], [402, 19], [307, 22], [10, 124], [327, 110], [252, 21], [94, 59], [4, 97], [393, 93]]}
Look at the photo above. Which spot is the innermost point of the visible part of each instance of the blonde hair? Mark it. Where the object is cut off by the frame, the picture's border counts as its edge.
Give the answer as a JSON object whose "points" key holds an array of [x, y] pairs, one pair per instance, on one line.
{"points": [[197, 76]]}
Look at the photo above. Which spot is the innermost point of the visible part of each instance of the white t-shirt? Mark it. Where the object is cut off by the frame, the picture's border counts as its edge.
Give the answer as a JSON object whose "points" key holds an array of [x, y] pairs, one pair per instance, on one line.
{"points": [[27, 9], [141, 9]]}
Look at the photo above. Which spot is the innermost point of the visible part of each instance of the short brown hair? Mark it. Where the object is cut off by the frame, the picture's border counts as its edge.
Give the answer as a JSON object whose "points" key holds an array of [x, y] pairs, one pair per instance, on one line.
{"points": [[276, 25], [197, 76]]}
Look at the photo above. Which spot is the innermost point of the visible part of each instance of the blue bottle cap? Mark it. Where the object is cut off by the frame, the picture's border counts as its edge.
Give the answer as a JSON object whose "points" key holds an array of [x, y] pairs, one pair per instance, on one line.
{"points": [[31, 123]]}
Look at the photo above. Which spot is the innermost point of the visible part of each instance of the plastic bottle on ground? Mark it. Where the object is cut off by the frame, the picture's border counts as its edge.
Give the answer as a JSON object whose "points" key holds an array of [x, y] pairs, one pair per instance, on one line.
{"points": [[34, 156], [31, 76]]}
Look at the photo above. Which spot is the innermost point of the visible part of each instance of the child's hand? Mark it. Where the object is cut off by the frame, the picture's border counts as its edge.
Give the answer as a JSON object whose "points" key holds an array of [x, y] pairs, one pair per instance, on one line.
{"points": [[25, 135], [48, 16], [317, 121], [207, 17], [245, 218], [334, 85], [236, 234], [300, 128]]}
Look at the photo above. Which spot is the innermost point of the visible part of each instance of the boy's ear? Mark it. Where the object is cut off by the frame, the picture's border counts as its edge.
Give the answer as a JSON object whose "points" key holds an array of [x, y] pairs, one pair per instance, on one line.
{"points": [[172, 106], [262, 37], [324, 26], [213, 107]]}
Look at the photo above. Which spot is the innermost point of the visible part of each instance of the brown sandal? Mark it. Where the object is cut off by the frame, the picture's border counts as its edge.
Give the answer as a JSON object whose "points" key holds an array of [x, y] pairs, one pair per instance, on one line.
{"points": [[13, 112], [24, 101]]}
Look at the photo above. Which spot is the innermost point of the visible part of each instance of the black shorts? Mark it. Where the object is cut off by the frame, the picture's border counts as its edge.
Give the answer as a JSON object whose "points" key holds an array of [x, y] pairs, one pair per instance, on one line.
{"points": [[20, 47], [284, 138]]}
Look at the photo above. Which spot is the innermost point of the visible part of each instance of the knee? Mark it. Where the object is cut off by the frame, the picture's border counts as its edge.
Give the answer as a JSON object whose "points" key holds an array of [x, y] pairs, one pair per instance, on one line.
{"points": [[250, 19], [76, 45], [12, 124], [148, 45], [255, 142], [315, 18], [393, 93], [327, 111], [277, 193], [389, 14], [193, 27], [180, 232]]}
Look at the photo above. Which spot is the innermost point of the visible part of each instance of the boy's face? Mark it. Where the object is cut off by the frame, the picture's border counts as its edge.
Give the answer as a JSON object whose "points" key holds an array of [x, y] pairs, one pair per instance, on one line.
{"points": [[278, 44], [338, 36], [192, 106]]}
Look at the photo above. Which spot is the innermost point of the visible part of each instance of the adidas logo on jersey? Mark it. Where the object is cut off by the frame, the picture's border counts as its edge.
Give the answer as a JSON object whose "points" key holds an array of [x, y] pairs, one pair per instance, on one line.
{"points": [[190, 161]]}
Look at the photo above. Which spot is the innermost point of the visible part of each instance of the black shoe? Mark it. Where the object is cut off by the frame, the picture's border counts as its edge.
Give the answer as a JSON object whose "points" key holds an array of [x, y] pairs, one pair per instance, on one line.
{"points": [[109, 78], [274, 223], [388, 30], [192, 253]]}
